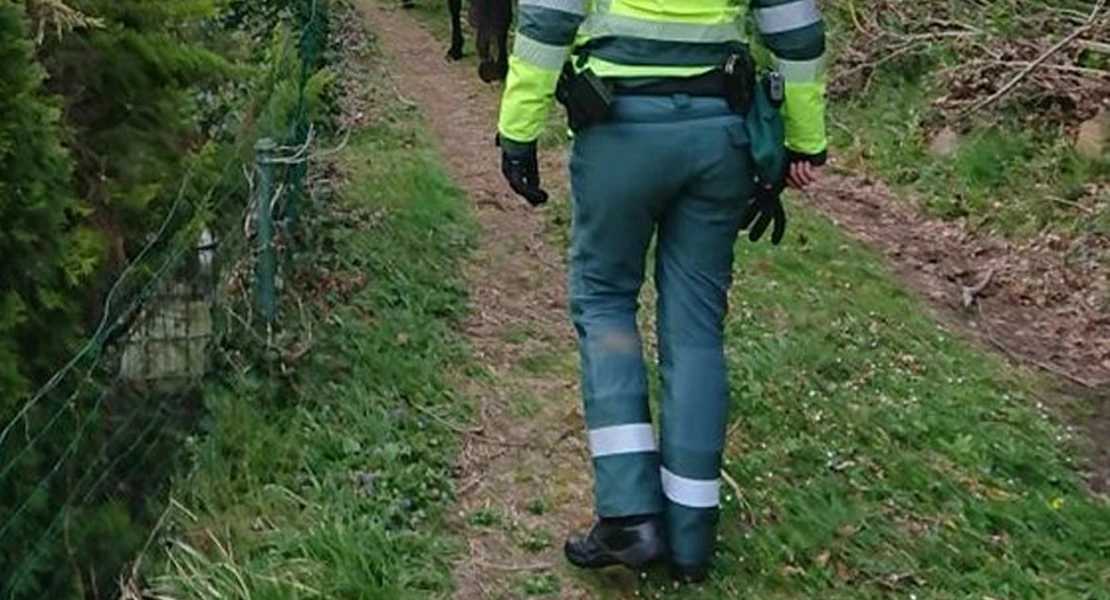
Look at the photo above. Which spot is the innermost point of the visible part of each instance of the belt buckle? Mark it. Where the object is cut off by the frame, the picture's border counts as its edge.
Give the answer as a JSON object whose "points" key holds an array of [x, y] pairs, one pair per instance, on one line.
{"points": [[730, 64]]}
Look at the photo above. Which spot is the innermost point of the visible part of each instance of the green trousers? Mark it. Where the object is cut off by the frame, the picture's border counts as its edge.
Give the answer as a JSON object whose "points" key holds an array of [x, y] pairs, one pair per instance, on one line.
{"points": [[677, 168]]}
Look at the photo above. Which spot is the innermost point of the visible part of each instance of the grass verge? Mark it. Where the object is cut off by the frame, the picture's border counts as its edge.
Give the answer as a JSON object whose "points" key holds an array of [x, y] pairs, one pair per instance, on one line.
{"points": [[330, 481]]}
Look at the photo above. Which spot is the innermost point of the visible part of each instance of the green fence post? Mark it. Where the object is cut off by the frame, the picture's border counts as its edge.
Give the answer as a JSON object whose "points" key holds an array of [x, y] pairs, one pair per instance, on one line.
{"points": [[266, 273]]}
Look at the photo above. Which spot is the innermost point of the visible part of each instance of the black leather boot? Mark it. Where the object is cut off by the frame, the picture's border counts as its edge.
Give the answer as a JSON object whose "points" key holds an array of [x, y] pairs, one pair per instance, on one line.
{"points": [[689, 573], [633, 542]]}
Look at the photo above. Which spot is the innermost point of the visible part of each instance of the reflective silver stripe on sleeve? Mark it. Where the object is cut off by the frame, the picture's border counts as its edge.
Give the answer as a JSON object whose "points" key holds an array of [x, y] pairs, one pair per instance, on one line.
{"points": [[802, 71], [693, 493], [621, 439], [601, 25], [540, 54], [787, 17], [576, 7]]}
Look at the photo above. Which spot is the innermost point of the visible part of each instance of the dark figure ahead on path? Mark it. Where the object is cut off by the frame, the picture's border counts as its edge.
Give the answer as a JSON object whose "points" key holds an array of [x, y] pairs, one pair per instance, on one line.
{"points": [[491, 20], [676, 134]]}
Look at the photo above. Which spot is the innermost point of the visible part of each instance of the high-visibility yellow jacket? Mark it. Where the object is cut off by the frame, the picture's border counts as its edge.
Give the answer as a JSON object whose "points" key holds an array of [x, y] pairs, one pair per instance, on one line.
{"points": [[658, 38]]}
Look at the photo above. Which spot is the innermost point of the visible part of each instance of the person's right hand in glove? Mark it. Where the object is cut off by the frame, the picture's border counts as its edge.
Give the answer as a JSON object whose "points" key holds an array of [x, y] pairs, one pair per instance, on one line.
{"points": [[520, 168]]}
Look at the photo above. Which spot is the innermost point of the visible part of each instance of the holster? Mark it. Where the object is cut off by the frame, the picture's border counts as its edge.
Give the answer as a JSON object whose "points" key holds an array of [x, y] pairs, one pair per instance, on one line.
{"points": [[586, 97], [738, 74]]}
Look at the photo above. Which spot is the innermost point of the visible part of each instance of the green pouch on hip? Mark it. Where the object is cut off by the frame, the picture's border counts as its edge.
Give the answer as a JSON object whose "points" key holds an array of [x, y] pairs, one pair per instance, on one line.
{"points": [[767, 132]]}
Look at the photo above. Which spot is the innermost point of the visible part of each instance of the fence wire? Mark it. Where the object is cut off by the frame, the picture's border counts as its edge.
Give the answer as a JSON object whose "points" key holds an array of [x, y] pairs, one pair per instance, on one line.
{"points": [[84, 461]]}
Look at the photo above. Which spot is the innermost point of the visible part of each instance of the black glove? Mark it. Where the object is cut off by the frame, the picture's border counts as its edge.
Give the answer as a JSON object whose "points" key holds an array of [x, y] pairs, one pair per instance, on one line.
{"points": [[767, 205], [521, 170]]}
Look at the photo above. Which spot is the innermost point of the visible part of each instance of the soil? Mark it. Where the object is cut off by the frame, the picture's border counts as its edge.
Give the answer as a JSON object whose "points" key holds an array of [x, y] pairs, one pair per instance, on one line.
{"points": [[1041, 304]]}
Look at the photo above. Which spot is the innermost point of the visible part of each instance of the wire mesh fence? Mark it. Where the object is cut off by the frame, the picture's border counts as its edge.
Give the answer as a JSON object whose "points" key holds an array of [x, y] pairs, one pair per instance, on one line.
{"points": [[85, 460]]}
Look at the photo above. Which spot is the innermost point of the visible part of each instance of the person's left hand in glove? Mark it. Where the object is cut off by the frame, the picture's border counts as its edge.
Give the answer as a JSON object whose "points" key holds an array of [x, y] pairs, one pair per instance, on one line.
{"points": [[520, 168]]}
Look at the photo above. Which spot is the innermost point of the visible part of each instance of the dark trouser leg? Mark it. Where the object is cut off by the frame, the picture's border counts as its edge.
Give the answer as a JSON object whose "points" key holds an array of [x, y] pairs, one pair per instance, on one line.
{"points": [[503, 41], [693, 273], [455, 52], [618, 188]]}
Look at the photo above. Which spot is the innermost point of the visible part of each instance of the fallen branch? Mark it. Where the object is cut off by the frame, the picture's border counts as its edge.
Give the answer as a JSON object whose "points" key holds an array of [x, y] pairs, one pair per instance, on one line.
{"points": [[531, 567], [906, 44], [889, 56], [977, 65], [1072, 204], [482, 438], [855, 17], [731, 483], [745, 510], [465, 489], [1095, 46], [971, 293], [954, 25], [459, 429]]}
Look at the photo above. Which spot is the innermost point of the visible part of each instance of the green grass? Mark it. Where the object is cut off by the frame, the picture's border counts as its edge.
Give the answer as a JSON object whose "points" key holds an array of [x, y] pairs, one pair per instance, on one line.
{"points": [[537, 540], [538, 584], [1006, 178], [537, 506], [486, 518], [332, 481]]}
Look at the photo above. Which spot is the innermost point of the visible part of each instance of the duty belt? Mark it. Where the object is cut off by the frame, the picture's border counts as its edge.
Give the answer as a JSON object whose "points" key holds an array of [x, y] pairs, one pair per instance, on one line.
{"points": [[732, 81], [708, 84], [588, 98]]}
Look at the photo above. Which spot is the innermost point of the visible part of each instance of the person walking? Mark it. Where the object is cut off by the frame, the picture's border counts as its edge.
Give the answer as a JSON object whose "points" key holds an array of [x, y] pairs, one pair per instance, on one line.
{"points": [[660, 98]]}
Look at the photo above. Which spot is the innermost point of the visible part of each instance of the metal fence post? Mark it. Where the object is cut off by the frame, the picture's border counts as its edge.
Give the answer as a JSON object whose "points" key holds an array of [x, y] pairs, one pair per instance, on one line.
{"points": [[266, 273]]}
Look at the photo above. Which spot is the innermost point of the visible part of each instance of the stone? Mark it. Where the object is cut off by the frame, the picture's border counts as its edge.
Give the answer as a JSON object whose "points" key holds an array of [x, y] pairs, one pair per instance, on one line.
{"points": [[1093, 135], [945, 142]]}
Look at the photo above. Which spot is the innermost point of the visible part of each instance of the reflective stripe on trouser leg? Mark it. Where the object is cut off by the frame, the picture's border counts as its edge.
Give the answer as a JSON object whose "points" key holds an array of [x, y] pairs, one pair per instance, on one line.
{"points": [[619, 432]]}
